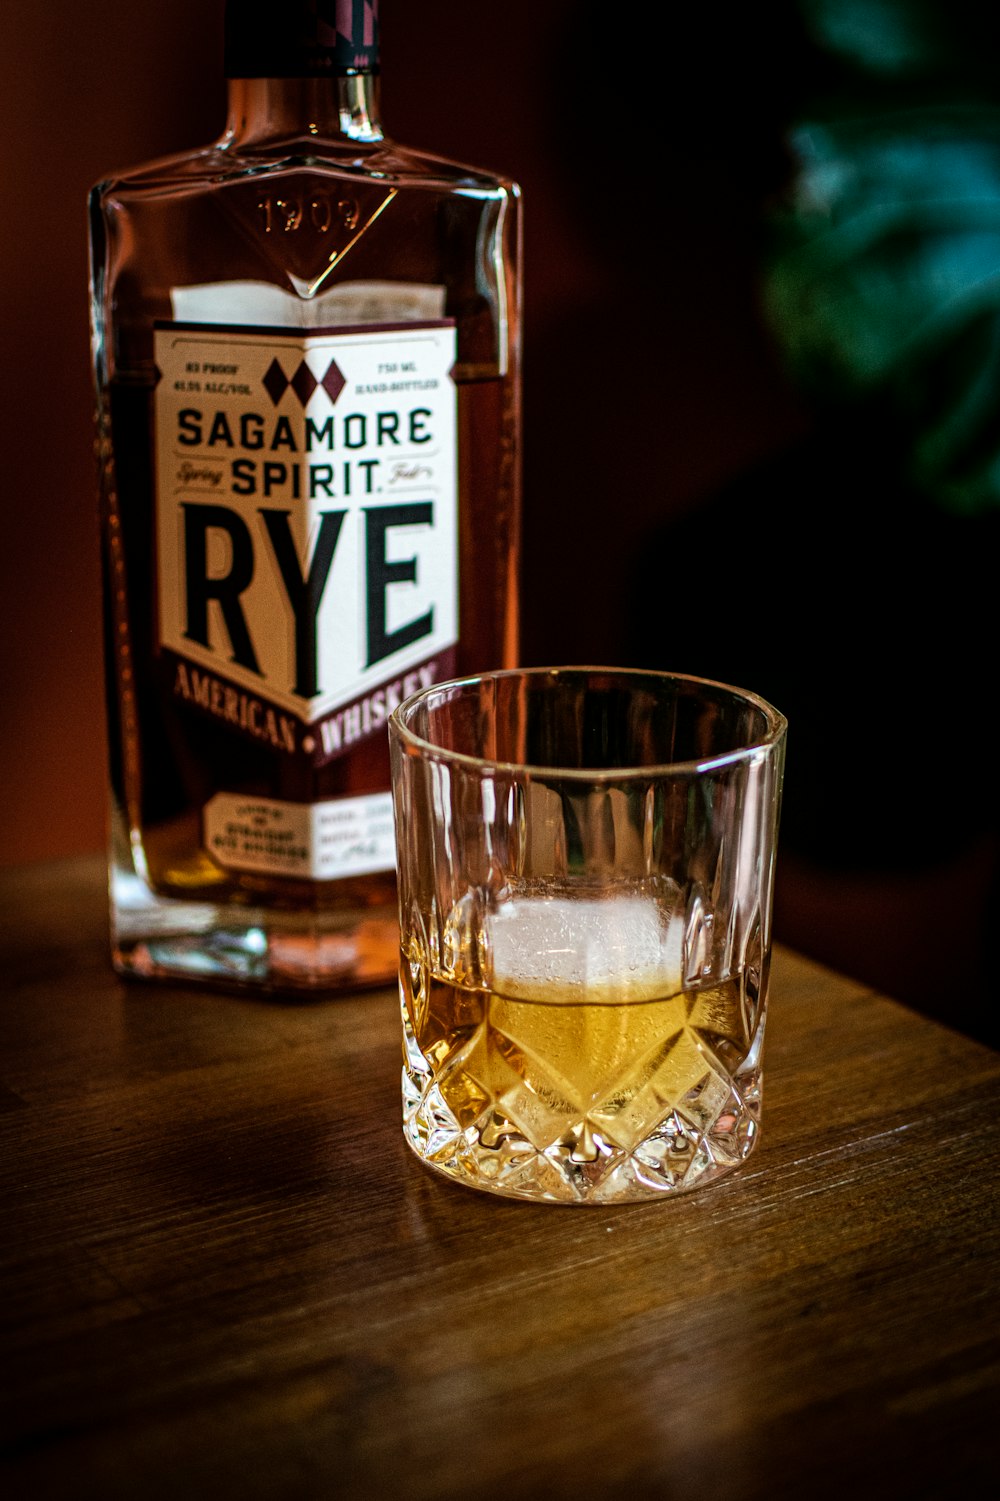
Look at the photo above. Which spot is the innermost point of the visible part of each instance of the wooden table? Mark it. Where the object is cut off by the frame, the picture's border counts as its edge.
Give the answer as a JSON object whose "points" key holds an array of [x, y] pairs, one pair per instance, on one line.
{"points": [[224, 1275]]}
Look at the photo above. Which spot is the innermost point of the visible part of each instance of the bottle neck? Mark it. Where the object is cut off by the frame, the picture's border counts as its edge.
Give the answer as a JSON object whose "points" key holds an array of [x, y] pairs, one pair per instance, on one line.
{"points": [[273, 109]]}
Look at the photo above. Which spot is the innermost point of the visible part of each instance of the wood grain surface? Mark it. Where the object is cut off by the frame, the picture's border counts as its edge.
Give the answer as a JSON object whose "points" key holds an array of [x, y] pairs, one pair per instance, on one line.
{"points": [[222, 1273]]}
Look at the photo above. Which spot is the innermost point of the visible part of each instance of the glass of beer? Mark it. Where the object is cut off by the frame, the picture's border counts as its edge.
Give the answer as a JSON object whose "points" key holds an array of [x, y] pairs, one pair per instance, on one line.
{"points": [[586, 863]]}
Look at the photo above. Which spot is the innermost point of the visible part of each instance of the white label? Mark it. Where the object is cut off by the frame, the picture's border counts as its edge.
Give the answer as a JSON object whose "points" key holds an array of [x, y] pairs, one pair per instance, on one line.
{"points": [[349, 304], [351, 836], [306, 506]]}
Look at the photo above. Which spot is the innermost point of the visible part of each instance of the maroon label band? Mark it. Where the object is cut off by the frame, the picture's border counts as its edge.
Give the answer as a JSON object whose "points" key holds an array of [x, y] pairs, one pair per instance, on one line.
{"points": [[255, 717]]}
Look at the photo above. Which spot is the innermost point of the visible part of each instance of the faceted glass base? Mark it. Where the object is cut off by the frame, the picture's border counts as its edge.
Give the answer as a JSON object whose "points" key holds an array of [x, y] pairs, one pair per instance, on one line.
{"points": [[466, 1117]]}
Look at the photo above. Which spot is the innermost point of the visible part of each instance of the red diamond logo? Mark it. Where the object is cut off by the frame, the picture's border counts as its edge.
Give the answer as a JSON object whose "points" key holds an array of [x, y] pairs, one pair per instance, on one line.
{"points": [[304, 382], [275, 381], [333, 382]]}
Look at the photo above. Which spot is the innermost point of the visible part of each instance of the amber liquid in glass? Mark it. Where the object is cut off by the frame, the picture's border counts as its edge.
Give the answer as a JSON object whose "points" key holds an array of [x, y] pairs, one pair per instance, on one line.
{"points": [[574, 1091]]}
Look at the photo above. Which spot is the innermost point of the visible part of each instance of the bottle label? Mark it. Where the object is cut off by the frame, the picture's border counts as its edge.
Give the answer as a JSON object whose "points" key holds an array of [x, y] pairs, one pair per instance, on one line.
{"points": [[307, 528], [351, 836], [306, 541]]}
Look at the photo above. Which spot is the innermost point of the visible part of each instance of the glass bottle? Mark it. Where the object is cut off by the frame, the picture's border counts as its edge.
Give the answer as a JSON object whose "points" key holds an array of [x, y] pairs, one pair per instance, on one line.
{"points": [[306, 344]]}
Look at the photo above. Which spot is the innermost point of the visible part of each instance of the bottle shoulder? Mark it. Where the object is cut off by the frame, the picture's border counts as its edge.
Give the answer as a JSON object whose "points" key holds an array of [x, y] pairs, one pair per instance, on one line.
{"points": [[223, 163], [345, 232]]}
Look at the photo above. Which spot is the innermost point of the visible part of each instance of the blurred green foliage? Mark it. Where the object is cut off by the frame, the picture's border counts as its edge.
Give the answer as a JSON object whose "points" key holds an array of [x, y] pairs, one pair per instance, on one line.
{"points": [[883, 275]]}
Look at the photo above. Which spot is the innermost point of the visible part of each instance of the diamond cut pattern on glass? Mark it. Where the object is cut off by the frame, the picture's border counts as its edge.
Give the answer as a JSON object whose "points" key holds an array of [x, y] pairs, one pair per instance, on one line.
{"points": [[489, 1099]]}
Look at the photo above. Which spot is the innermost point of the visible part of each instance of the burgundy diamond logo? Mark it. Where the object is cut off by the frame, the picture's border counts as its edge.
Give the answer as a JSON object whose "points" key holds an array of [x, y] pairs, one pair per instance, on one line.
{"points": [[333, 382], [275, 382], [304, 382]]}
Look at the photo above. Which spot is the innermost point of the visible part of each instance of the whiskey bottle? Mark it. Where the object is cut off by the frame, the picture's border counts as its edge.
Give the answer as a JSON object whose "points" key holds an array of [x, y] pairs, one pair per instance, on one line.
{"points": [[306, 355]]}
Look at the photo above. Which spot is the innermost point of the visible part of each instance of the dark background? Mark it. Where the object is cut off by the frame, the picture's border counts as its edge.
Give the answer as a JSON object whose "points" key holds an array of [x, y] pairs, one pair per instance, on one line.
{"points": [[685, 506]]}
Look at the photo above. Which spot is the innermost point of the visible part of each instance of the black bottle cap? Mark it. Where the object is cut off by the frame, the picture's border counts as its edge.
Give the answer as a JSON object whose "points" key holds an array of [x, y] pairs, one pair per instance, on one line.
{"points": [[301, 38]]}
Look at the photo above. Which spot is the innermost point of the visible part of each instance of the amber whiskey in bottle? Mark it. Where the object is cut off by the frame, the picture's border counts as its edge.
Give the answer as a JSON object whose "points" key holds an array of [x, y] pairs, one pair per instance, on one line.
{"points": [[306, 343]]}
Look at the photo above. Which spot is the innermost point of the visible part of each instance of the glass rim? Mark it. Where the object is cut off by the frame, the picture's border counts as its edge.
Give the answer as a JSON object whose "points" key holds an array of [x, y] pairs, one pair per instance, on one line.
{"points": [[775, 721]]}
